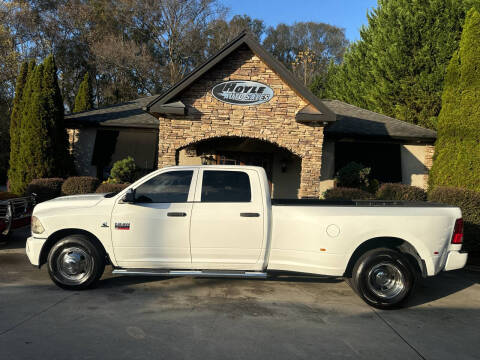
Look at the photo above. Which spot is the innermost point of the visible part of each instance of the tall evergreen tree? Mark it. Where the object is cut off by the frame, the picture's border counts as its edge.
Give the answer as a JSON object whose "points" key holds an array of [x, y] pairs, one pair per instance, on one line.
{"points": [[84, 98], [36, 146], [15, 122], [398, 66], [52, 103], [457, 150]]}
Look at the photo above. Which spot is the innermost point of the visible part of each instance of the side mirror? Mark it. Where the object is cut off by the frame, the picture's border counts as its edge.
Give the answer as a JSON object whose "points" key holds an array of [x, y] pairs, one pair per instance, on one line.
{"points": [[129, 197]]}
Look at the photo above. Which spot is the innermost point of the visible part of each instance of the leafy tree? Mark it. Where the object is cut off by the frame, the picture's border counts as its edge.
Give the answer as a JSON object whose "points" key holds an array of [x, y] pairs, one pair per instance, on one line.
{"points": [[457, 150], [84, 98], [292, 43], [15, 123], [398, 66]]}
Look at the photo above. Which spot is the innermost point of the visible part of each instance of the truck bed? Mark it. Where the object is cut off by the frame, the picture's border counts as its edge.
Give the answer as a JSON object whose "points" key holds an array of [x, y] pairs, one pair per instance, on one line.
{"points": [[357, 203]]}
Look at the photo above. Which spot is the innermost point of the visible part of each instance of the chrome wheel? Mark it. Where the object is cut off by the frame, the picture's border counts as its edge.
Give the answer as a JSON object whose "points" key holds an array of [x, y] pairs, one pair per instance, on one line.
{"points": [[385, 280], [74, 265]]}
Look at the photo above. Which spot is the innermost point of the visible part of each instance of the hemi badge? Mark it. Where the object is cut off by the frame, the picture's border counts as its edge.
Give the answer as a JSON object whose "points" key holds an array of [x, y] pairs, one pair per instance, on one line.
{"points": [[122, 226]]}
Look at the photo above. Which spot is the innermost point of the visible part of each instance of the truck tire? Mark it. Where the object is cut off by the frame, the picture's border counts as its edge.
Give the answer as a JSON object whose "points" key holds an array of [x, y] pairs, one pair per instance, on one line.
{"points": [[383, 278], [75, 263]]}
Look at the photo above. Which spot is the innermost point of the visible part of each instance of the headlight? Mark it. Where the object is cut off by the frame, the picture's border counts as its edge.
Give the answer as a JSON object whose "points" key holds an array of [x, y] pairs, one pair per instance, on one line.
{"points": [[37, 227]]}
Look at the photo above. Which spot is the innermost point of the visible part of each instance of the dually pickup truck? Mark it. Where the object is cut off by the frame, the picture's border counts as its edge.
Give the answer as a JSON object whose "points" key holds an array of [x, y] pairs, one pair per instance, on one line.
{"points": [[219, 221]]}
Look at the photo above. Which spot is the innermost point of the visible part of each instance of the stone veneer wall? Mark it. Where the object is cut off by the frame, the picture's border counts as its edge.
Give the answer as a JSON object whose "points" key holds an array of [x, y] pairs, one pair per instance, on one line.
{"points": [[273, 121]]}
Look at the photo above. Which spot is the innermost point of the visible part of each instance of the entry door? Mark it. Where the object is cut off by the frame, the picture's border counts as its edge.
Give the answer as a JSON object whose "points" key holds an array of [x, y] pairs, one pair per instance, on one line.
{"points": [[227, 220], [154, 230]]}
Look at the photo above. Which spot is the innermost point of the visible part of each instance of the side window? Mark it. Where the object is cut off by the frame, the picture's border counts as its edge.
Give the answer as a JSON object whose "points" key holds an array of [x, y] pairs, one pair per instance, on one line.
{"points": [[225, 186], [170, 187]]}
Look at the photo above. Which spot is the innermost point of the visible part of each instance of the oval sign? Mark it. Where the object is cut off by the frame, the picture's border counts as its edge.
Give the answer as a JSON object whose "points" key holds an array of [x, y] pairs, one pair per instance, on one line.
{"points": [[240, 92]]}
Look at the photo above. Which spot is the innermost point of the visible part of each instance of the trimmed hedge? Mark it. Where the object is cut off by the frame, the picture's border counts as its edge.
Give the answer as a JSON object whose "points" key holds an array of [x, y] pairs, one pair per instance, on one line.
{"points": [[80, 185], [4, 195], [345, 193], [396, 191], [46, 189], [469, 202], [109, 188]]}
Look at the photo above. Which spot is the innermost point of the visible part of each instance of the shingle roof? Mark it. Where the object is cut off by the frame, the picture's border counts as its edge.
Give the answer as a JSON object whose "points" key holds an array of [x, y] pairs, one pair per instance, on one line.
{"points": [[129, 114], [358, 122]]}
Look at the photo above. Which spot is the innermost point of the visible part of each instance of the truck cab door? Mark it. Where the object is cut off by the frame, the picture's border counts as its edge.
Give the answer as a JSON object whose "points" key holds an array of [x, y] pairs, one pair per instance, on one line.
{"points": [[153, 231], [227, 226]]}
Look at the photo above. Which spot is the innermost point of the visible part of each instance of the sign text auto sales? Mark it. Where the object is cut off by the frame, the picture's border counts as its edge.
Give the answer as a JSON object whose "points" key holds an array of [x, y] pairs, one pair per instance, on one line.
{"points": [[242, 92]]}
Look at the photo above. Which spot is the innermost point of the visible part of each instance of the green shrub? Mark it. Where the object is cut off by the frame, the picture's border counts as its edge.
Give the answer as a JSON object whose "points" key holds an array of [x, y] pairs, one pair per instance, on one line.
{"points": [[345, 193], [123, 171], [4, 195], [80, 185], [469, 202], [46, 189], [109, 187], [355, 175], [395, 191]]}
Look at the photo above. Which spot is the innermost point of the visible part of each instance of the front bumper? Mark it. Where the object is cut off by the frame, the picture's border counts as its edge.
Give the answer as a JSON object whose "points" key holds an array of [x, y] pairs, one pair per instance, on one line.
{"points": [[455, 260], [33, 249]]}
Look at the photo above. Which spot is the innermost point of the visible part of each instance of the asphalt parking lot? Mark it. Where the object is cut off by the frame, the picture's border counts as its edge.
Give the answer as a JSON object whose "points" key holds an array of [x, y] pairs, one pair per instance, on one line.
{"points": [[187, 318]]}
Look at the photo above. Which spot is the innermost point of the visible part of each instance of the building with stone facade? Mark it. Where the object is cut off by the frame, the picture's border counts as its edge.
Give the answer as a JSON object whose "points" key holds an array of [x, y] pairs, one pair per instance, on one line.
{"points": [[244, 107]]}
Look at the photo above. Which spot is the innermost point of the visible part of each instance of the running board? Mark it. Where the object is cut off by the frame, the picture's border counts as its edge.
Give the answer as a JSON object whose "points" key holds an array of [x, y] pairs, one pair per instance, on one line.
{"points": [[204, 273]]}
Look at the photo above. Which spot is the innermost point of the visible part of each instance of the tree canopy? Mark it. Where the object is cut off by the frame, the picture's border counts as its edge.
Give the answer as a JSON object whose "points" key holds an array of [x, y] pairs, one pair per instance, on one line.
{"points": [[398, 66], [457, 150]]}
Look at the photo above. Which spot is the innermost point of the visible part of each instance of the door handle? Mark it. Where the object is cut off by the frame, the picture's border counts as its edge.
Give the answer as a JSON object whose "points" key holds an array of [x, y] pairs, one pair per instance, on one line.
{"points": [[176, 214], [247, 214]]}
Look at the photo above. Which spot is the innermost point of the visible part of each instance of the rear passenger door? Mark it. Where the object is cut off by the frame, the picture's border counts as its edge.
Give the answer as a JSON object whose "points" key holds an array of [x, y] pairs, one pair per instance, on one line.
{"points": [[227, 220]]}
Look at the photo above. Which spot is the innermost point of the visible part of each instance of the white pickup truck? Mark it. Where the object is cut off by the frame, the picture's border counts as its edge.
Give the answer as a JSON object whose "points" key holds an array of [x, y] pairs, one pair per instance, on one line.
{"points": [[220, 221]]}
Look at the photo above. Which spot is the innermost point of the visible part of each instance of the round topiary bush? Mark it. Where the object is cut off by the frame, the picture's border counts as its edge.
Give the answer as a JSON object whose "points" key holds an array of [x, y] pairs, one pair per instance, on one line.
{"points": [[123, 171], [80, 185], [345, 193], [396, 191], [110, 188], [46, 189]]}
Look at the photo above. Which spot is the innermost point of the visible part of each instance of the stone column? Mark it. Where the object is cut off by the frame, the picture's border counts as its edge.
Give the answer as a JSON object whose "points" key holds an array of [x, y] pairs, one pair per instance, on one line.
{"points": [[311, 169], [166, 144]]}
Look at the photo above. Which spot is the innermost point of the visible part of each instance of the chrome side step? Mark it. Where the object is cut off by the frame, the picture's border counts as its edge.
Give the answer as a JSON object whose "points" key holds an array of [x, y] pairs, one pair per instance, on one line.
{"points": [[204, 273]]}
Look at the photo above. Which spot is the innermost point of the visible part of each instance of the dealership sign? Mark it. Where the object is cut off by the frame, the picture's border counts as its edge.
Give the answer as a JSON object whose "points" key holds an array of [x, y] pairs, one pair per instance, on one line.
{"points": [[242, 92]]}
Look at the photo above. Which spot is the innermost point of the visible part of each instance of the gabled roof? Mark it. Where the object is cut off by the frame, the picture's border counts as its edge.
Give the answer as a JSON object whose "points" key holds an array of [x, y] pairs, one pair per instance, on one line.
{"points": [[128, 114], [353, 121], [317, 112]]}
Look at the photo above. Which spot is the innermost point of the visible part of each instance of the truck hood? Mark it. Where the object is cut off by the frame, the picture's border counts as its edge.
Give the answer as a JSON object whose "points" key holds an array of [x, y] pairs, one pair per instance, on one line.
{"points": [[72, 201]]}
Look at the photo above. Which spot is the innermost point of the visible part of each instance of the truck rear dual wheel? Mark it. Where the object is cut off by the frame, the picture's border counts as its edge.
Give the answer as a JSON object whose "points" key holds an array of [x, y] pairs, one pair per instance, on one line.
{"points": [[75, 263], [383, 278]]}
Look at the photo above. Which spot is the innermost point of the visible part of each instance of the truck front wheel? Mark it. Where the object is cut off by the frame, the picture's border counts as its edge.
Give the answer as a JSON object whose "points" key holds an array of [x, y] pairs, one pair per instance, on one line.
{"points": [[383, 278], [75, 263]]}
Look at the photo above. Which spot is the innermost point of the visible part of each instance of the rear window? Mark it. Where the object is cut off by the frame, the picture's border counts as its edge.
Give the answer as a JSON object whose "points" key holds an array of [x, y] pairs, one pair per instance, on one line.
{"points": [[226, 186]]}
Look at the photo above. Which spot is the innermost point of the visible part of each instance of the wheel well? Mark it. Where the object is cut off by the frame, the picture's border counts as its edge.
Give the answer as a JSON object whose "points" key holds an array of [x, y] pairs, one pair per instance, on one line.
{"points": [[56, 236], [392, 243]]}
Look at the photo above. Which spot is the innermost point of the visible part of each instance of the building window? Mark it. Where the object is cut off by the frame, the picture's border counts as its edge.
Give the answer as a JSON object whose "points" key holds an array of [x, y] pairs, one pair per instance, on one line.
{"points": [[383, 158]]}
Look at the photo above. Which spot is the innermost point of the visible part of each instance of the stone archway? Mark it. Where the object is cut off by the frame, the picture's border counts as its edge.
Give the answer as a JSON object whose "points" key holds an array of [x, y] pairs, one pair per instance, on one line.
{"points": [[310, 152]]}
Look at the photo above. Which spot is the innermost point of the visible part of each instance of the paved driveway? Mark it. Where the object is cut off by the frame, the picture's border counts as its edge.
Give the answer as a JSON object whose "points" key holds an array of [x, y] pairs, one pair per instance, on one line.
{"points": [[187, 318]]}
